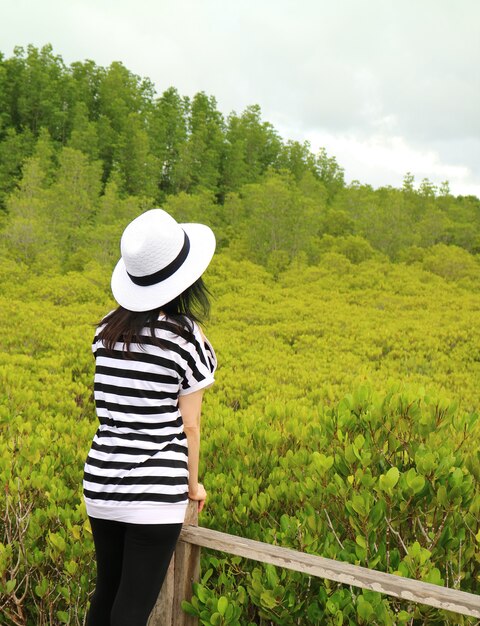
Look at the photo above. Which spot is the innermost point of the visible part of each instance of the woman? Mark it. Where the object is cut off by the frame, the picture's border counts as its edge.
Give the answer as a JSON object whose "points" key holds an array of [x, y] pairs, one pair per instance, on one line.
{"points": [[152, 366]]}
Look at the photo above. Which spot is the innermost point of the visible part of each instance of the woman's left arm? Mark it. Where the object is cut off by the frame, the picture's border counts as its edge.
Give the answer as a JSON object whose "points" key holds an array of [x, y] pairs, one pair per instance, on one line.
{"points": [[190, 407]]}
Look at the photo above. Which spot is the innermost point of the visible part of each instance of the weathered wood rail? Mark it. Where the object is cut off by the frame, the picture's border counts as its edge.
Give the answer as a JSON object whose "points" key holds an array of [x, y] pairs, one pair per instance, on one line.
{"points": [[185, 566]]}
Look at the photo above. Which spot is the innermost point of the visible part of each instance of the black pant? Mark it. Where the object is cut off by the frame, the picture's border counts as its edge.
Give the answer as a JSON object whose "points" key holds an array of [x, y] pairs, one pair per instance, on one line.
{"points": [[132, 560]]}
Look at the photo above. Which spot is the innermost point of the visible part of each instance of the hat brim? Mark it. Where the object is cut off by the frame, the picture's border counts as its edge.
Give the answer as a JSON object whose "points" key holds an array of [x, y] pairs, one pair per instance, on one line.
{"points": [[137, 298]]}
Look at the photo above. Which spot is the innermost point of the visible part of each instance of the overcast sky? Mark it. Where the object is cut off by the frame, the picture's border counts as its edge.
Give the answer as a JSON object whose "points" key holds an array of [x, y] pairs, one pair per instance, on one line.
{"points": [[386, 86]]}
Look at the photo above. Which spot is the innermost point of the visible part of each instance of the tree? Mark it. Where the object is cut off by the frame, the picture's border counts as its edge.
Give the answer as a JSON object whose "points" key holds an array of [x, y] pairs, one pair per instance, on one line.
{"points": [[5, 119], [427, 189], [297, 158], [392, 229], [355, 248], [378, 216], [28, 236], [434, 227], [330, 173], [414, 204], [408, 181], [444, 188], [336, 222], [252, 146], [72, 199], [234, 166], [115, 207], [200, 156], [107, 146], [84, 136], [139, 167], [85, 85], [14, 149], [28, 200], [263, 144], [46, 153], [38, 91], [279, 217], [167, 129], [198, 207], [463, 213], [312, 188], [451, 262], [120, 94]]}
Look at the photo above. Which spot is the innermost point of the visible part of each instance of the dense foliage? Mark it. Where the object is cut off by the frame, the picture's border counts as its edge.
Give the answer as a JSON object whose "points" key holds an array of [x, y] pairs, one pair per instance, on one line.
{"points": [[89, 146], [344, 421], [353, 465]]}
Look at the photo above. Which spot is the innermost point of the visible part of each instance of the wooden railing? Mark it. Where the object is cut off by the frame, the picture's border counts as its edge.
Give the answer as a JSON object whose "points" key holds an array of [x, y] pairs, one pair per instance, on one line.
{"points": [[185, 567]]}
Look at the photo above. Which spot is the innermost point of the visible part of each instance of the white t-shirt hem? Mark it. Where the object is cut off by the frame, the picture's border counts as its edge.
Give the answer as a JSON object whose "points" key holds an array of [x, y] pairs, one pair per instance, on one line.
{"points": [[158, 513]]}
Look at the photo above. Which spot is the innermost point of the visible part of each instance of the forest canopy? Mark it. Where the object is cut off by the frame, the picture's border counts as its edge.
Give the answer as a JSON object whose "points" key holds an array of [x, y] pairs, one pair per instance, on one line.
{"points": [[85, 148]]}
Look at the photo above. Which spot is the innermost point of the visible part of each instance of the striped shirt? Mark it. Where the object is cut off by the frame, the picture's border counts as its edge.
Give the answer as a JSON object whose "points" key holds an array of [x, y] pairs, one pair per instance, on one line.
{"points": [[136, 470]]}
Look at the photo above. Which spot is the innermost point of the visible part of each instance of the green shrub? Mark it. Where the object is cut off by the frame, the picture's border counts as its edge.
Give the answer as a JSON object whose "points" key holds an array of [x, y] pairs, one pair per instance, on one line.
{"points": [[330, 430]]}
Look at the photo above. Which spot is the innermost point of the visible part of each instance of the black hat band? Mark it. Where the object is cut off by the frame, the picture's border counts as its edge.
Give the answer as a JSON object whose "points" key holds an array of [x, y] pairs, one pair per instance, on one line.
{"points": [[165, 272]]}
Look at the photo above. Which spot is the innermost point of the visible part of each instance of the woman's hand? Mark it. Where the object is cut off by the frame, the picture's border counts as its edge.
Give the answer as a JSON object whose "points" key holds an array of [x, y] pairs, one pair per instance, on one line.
{"points": [[199, 495]]}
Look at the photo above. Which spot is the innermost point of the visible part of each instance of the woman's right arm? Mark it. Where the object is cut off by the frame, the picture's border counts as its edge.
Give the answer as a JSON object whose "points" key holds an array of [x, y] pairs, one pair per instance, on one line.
{"points": [[190, 406]]}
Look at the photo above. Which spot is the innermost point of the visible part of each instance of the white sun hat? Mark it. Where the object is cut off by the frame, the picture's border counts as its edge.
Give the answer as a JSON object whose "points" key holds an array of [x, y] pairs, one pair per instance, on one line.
{"points": [[160, 259]]}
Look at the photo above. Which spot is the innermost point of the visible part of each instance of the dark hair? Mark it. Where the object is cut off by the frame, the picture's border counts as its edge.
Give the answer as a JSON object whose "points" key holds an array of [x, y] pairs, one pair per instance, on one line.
{"points": [[192, 305]]}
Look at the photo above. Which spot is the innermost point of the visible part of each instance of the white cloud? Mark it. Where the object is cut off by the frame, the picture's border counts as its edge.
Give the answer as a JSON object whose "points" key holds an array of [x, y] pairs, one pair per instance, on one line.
{"points": [[384, 160]]}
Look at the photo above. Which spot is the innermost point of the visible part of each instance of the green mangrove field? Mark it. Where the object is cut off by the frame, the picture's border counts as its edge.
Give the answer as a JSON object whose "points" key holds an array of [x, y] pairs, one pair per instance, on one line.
{"points": [[343, 423]]}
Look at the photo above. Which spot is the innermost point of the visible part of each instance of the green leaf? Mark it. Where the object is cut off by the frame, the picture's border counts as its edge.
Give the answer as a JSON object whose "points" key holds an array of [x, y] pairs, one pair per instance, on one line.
{"points": [[358, 504], [359, 441], [241, 594], [377, 513], [434, 577], [403, 616], [41, 588], [216, 619], [364, 609], [201, 593], [456, 477], [391, 477], [331, 607], [188, 608], [222, 605], [284, 523], [442, 495], [415, 482], [267, 599], [313, 612], [207, 575], [271, 575], [57, 541], [414, 550]]}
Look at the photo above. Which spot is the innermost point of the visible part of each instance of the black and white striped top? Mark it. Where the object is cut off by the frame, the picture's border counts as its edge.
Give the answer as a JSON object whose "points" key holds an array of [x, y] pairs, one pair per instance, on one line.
{"points": [[136, 470]]}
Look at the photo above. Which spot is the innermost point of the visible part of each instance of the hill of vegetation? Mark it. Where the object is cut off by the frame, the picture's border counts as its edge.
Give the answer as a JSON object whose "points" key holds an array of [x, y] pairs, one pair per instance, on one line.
{"points": [[344, 420], [83, 148]]}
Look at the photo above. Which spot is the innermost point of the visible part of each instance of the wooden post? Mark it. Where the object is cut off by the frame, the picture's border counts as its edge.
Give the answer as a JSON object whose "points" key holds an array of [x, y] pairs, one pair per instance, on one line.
{"points": [[162, 612], [187, 571], [184, 569]]}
